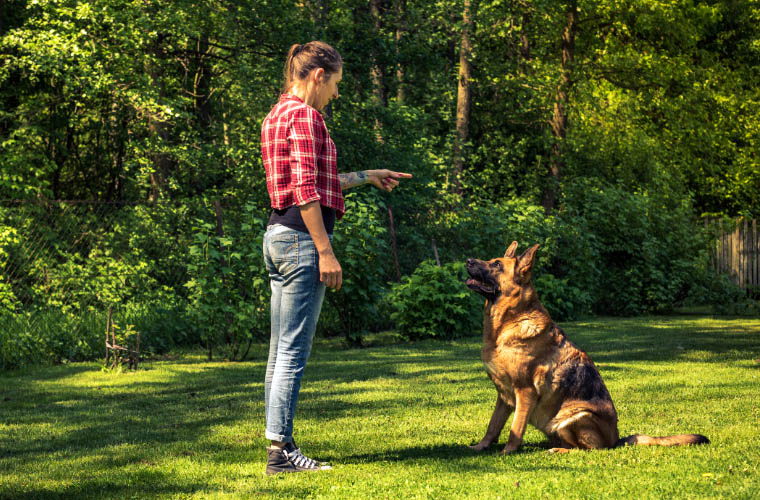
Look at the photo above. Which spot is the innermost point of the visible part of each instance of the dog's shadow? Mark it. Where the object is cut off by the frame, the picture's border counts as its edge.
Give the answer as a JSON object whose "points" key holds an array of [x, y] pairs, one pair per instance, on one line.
{"points": [[460, 456]]}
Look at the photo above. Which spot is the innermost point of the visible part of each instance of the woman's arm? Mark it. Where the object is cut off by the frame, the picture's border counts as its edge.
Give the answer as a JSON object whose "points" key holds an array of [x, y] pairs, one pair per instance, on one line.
{"points": [[330, 271], [383, 179]]}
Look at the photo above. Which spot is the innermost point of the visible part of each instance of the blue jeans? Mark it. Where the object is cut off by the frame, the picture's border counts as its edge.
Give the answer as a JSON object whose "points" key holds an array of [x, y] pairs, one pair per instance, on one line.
{"points": [[293, 265]]}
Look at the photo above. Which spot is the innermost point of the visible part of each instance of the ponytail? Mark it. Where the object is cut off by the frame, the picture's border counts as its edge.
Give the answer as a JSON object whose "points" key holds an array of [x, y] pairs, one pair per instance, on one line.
{"points": [[302, 59]]}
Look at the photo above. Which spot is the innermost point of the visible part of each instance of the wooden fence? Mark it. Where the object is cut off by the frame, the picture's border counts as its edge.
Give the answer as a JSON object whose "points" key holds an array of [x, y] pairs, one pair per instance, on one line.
{"points": [[737, 251]]}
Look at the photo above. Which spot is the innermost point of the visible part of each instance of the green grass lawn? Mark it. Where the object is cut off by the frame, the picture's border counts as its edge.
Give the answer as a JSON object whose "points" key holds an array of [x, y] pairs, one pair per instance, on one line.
{"points": [[394, 420]]}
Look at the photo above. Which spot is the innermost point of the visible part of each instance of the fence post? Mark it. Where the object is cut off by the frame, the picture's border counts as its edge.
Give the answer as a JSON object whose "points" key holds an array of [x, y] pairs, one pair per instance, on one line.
{"points": [[712, 246], [755, 255], [108, 326], [393, 245], [745, 260]]}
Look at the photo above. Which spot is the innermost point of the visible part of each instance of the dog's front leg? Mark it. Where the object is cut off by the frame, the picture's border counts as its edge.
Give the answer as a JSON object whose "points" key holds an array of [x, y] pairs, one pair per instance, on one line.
{"points": [[498, 419], [525, 403]]}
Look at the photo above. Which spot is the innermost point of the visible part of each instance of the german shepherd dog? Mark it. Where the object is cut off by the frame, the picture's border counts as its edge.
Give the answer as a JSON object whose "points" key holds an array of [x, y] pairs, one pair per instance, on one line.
{"points": [[540, 375]]}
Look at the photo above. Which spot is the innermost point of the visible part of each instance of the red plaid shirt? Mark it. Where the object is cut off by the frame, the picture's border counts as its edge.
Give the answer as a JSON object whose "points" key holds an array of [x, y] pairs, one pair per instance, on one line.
{"points": [[299, 157]]}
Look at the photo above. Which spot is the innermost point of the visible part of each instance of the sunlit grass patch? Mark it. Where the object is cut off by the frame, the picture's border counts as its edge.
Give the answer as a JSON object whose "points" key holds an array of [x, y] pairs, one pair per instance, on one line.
{"points": [[394, 420]]}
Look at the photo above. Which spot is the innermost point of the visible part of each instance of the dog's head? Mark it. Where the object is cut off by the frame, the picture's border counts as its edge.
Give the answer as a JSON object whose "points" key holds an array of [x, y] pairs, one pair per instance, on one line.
{"points": [[508, 276]]}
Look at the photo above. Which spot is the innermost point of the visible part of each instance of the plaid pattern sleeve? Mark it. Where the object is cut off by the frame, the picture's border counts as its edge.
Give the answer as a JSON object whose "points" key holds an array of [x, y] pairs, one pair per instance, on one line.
{"points": [[299, 157]]}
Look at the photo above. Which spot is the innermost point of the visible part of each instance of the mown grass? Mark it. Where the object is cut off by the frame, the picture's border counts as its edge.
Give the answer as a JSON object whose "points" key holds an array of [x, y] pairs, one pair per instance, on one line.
{"points": [[394, 420]]}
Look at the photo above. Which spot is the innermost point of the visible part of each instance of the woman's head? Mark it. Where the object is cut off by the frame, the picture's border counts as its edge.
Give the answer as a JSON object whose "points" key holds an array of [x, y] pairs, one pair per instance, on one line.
{"points": [[311, 65]]}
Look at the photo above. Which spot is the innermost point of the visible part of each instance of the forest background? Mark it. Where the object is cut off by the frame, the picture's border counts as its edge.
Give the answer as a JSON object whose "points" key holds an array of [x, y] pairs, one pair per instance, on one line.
{"points": [[605, 131]]}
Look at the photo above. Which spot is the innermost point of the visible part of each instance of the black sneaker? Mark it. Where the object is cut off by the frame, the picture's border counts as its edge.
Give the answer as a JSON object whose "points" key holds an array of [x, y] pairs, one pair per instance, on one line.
{"points": [[290, 459]]}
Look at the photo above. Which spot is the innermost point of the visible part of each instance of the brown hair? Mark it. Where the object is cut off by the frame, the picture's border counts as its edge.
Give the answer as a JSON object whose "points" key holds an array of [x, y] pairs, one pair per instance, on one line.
{"points": [[302, 59]]}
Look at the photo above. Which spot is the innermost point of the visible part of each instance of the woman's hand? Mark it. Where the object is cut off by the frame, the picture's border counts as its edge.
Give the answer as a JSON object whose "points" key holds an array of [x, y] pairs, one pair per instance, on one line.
{"points": [[330, 272], [386, 179]]}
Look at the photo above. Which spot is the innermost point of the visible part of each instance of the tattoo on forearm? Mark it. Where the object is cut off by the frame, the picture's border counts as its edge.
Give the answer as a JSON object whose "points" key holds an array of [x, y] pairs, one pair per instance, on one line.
{"points": [[352, 179]]}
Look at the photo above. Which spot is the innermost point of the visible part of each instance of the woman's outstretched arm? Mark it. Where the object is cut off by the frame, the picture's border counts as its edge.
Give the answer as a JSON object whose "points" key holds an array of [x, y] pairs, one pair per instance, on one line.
{"points": [[382, 179]]}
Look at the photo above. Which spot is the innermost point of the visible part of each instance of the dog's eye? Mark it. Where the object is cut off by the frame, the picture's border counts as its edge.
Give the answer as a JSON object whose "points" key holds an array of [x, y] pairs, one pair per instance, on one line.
{"points": [[496, 265]]}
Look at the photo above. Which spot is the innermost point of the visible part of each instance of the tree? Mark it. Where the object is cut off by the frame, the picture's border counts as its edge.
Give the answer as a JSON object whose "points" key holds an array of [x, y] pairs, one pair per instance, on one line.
{"points": [[464, 95], [561, 102]]}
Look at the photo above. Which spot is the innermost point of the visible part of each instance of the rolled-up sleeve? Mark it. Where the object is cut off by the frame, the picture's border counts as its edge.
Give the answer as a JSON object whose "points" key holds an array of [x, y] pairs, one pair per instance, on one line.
{"points": [[306, 138]]}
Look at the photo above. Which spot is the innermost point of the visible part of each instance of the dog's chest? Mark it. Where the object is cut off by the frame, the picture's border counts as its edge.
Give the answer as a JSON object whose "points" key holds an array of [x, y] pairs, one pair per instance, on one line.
{"points": [[500, 367], [515, 365]]}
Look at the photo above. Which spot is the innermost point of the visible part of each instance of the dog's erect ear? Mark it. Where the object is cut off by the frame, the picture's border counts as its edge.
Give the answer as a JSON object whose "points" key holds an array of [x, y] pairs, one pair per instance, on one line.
{"points": [[525, 262], [511, 250]]}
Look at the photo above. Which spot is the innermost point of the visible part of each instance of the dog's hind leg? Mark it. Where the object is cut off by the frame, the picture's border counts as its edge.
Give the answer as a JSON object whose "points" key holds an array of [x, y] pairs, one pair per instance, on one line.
{"points": [[582, 431], [498, 419]]}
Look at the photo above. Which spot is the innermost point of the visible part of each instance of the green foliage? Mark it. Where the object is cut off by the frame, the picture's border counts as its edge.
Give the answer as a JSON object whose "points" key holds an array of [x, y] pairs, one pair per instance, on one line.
{"points": [[433, 302], [49, 337], [646, 250], [163, 325], [68, 263], [562, 300], [360, 242], [228, 286], [485, 230], [8, 238], [125, 100]]}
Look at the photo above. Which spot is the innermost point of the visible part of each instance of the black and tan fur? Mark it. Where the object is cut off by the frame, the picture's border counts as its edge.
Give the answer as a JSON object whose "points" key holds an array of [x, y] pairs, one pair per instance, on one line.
{"points": [[539, 374]]}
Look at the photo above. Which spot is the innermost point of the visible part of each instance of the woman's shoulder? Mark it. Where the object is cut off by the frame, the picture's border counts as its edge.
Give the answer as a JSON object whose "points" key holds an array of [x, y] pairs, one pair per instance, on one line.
{"points": [[293, 112]]}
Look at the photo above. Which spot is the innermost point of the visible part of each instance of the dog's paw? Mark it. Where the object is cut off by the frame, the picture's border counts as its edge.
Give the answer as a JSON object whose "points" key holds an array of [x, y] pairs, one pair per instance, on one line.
{"points": [[509, 449], [480, 446]]}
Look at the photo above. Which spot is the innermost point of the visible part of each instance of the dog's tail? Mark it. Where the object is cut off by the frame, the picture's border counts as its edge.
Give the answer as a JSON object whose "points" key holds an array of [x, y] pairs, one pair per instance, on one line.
{"points": [[675, 440]]}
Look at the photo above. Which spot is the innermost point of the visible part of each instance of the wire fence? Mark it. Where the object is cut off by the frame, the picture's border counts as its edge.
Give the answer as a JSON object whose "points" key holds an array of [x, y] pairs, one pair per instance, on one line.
{"points": [[170, 273], [184, 273], [65, 263]]}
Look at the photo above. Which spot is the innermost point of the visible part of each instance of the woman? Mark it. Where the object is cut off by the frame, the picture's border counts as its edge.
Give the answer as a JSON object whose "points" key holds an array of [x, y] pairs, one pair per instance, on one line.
{"points": [[306, 194]]}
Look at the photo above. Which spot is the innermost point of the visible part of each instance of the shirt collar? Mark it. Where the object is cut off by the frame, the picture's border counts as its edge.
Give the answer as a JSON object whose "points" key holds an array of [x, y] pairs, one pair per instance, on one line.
{"points": [[290, 97]]}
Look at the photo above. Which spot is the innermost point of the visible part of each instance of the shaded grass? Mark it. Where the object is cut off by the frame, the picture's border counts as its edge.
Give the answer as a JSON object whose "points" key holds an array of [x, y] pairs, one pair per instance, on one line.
{"points": [[393, 419]]}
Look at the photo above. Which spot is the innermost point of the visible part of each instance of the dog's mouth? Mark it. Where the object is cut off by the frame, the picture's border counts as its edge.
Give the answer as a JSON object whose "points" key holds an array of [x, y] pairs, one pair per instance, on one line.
{"points": [[480, 286], [481, 280]]}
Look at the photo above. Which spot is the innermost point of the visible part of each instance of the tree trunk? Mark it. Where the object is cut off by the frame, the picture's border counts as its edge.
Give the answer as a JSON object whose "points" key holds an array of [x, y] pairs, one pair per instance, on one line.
{"points": [[376, 73], [201, 86], [401, 28], [464, 97], [118, 125], [157, 127], [525, 54], [562, 98]]}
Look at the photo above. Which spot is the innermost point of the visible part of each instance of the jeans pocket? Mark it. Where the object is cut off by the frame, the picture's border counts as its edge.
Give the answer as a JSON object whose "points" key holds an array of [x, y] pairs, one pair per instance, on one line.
{"points": [[283, 251]]}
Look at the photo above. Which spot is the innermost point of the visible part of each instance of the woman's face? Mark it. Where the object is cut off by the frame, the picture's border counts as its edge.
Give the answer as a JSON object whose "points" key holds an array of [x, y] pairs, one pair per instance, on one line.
{"points": [[327, 89]]}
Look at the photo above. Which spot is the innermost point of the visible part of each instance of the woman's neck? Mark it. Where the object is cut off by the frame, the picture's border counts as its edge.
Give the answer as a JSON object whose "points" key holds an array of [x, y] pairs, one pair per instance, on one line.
{"points": [[303, 92]]}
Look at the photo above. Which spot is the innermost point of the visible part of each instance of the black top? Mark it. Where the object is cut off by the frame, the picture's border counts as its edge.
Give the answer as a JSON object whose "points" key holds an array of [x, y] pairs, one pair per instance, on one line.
{"points": [[291, 217]]}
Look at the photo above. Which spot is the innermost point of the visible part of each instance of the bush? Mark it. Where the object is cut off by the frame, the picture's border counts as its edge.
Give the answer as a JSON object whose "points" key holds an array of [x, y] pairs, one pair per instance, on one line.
{"points": [[634, 252], [360, 244], [228, 291], [434, 302], [49, 337], [563, 301], [484, 232], [162, 325]]}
